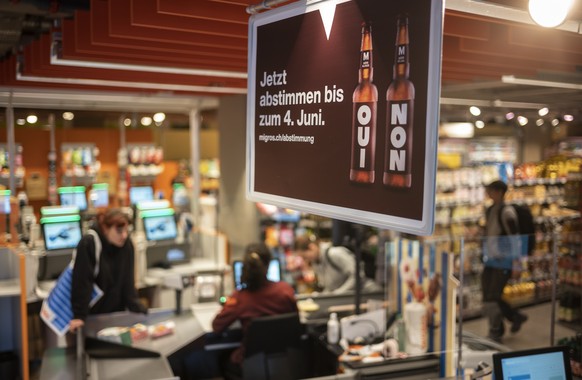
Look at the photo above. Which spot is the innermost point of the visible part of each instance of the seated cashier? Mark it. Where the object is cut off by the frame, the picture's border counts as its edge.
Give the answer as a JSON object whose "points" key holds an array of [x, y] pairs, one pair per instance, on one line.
{"points": [[258, 297], [116, 270]]}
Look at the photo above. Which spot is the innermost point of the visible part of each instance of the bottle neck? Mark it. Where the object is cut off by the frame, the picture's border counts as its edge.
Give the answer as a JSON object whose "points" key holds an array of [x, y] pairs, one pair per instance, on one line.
{"points": [[366, 75], [401, 71]]}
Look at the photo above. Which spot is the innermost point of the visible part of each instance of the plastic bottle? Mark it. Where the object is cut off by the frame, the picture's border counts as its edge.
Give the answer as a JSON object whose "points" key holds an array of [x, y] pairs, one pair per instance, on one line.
{"points": [[416, 329], [333, 329], [400, 333]]}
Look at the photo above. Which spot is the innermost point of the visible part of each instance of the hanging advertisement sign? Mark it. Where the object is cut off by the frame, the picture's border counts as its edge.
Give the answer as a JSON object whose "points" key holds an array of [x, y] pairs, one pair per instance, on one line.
{"points": [[343, 101]]}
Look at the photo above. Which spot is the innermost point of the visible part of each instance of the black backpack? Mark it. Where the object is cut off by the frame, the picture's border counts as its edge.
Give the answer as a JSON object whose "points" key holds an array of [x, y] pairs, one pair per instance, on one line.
{"points": [[526, 225]]}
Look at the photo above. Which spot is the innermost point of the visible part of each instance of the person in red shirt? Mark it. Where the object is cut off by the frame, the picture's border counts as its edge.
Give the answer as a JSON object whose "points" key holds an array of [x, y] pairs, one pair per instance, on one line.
{"points": [[258, 297]]}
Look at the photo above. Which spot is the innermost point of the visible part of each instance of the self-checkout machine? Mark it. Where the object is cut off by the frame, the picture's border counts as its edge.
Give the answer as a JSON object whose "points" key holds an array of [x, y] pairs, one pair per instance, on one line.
{"points": [[61, 231], [161, 258]]}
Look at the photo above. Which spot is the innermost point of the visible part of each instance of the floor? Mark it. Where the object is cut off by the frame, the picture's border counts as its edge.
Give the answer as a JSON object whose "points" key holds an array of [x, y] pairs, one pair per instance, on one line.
{"points": [[534, 333]]}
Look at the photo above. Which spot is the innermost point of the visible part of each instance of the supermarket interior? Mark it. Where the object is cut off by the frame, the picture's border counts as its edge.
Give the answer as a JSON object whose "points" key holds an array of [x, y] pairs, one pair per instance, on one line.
{"points": [[166, 112]]}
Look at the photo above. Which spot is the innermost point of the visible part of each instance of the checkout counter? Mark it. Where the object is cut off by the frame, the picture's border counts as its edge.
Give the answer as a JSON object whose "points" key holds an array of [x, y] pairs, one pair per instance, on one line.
{"points": [[161, 358]]}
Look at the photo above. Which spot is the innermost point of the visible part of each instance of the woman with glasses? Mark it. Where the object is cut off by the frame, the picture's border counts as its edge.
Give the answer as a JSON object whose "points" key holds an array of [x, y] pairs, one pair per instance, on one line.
{"points": [[116, 270]]}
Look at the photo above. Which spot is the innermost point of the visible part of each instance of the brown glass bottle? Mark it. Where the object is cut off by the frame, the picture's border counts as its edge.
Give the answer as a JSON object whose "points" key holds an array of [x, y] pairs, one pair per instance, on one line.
{"points": [[399, 113], [365, 100]]}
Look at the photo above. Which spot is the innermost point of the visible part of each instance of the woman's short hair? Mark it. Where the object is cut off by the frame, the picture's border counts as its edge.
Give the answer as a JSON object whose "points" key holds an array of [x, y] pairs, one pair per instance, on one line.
{"points": [[255, 265], [112, 217]]}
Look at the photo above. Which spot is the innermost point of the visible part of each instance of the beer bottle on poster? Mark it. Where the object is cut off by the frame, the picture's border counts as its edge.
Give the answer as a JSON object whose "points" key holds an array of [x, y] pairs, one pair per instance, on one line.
{"points": [[399, 115], [365, 99]]}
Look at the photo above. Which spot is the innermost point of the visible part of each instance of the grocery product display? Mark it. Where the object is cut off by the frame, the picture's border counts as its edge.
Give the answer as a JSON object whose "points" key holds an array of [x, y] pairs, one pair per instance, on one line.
{"points": [[79, 161], [19, 171], [144, 160], [551, 190]]}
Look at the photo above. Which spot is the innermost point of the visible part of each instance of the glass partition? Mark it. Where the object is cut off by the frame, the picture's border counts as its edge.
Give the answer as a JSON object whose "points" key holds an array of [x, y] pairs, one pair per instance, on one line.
{"points": [[450, 302]]}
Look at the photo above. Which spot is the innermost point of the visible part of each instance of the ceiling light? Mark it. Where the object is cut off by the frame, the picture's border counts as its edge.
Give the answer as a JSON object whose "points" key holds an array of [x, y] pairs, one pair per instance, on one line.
{"points": [[539, 122], [159, 117], [31, 119], [56, 60], [146, 120], [549, 13], [20, 121], [522, 120], [457, 130], [542, 83], [543, 111], [568, 118], [555, 122], [68, 116], [127, 122], [128, 84], [475, 111], [509, 115], [480, 124]]}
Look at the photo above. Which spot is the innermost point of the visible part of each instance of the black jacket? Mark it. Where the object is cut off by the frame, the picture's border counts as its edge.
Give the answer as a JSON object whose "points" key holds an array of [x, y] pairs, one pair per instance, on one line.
{"points": [[115, 278]]}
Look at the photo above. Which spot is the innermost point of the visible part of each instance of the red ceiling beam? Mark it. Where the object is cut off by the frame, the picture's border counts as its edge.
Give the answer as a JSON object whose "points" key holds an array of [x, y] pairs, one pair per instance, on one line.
{"points": [[120, 26], [144, 13]]}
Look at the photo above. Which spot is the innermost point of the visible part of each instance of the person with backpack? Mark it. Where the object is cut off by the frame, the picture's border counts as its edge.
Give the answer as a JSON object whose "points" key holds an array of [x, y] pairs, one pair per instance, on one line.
{"points": [[501, 254], [335, 266], [116, 270]]}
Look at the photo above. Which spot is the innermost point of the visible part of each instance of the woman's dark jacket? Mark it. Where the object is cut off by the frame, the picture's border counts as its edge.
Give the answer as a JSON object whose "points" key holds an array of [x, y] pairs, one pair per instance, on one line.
{"points": [[116, 278]]}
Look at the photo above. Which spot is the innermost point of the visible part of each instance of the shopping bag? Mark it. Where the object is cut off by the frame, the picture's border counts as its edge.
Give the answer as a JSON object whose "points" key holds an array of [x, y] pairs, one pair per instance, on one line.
{"points": [[56, 310]]}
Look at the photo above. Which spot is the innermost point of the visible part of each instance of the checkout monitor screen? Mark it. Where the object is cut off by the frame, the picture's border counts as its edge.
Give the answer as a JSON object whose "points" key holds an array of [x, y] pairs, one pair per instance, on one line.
{"points": [[160, 227], [140, 193], [73, 198], [61, 235], [99, 197], [541, 363], [273, 273]]}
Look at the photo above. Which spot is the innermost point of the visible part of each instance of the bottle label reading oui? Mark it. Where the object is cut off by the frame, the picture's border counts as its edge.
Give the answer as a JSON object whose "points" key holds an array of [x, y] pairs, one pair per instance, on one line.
{"points": [[399, 137], [364, 136]]}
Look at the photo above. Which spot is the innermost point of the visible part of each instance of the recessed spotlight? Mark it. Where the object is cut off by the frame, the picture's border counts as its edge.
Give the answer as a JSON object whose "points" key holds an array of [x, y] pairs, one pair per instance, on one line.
{"points": [[20, 121], [146, 120], [539, 122], [31, 119], [68, 116], [159, 117], [555, 122], [543, 111], [475, 111], [480, 124], [509, 115], [127, 121], [522, 120], [568, 118]]}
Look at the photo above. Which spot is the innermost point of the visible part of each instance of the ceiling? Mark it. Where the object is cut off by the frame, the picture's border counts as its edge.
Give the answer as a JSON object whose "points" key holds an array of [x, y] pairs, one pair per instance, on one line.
{"points": [[47, 45]]}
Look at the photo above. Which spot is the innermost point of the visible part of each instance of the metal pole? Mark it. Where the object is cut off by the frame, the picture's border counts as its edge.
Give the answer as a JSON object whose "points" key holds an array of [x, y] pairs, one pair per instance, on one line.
{"points": [[11, 145], [358, 290], [556, 235], [195, 162], [52, 163], [122, 160], [460, 295], [81, 368]]}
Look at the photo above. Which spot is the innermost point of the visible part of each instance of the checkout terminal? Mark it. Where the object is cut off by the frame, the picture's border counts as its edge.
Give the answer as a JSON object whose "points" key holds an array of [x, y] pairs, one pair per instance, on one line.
{"points": [[61, 232]]}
